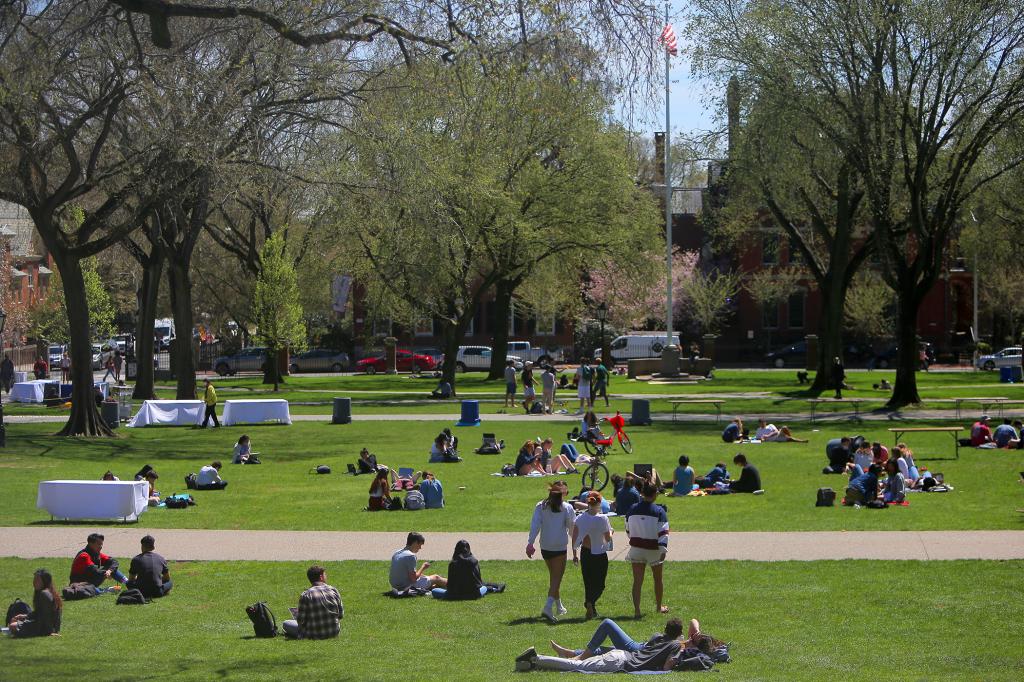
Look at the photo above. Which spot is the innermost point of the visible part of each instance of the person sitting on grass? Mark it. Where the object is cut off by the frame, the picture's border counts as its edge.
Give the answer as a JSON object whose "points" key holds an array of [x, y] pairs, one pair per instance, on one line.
{"points": [[838, 452], [209, 477], [863, 456], [320, 610], [404, 575], [750, 478], [610, 630], [590, 427], [148, 571], [153, 494], [625, 497], [863, 488], [109, 476], [658, 654], [880, 452], [243, 452], [441, 451], [895, 490], [682, 478], [367, 463], [44, 618], [980, 432], [554, 463], [444, 391], [380, 491], [528, 461], [92, 566], [652, 477], [464, 580], [432, 491], [905, 461], [1005, 436], [718, 474], [733, 432], [769, 433]]}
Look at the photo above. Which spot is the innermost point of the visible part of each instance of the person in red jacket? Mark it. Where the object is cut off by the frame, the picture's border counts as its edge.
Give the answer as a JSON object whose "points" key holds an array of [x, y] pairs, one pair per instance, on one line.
{"points": [[980, 432], [91, 565]]}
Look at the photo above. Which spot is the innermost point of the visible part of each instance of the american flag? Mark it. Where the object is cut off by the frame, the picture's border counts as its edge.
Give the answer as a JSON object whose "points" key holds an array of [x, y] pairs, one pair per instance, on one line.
{"points": [[668, 39]]}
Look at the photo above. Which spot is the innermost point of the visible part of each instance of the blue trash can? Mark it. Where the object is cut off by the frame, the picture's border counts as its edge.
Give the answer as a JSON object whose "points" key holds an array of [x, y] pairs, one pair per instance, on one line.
{"points": [[470, 413], [342, 411], [1016, 374], [641, 415], [65, 390], [1006, 375]]}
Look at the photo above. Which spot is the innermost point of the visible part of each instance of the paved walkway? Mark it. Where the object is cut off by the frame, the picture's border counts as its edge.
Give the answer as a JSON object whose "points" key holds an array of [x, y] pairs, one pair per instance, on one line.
{"points": [[210, 545]]}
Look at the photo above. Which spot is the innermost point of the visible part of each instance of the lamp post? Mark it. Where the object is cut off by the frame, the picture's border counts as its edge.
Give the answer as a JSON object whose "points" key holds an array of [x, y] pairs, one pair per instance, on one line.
{"points": [[3, 428], [602, 315]]}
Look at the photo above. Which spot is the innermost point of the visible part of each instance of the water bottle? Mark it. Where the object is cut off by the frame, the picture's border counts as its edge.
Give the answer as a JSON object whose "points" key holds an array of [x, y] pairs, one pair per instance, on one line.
{"points": [[610, 545]]}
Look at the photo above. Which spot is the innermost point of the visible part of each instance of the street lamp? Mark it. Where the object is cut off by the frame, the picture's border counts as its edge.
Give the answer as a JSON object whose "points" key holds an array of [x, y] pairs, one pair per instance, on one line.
{"points": [[602, 315], [3, 428]]}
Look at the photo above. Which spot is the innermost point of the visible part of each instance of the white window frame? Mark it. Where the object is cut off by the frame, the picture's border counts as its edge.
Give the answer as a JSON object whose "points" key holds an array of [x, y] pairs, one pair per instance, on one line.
{"points": [[544, 329]]}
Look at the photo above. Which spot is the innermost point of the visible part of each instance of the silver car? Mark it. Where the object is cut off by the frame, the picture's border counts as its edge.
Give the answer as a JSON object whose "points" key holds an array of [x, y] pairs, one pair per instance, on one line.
{"points": [[1007, 357], [319, 360], [246, 360]]}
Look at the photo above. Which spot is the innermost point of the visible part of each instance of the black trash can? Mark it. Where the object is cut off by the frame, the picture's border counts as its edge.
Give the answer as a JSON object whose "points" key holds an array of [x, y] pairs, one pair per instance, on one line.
{"points": [[108, 410], [342, 411], [641, 415]]}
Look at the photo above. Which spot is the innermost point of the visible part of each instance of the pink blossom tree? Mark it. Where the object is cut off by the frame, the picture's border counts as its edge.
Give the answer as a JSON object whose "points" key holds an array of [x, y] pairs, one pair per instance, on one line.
{"points": [[633, 289]]}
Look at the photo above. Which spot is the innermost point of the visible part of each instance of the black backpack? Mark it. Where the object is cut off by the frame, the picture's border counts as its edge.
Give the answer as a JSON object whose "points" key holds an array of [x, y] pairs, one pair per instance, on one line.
{"points": [[321, 469], [76, 591], [263, 622], [396, 504], [179, 501], [17, 608], [826, 497], [131, 597]]}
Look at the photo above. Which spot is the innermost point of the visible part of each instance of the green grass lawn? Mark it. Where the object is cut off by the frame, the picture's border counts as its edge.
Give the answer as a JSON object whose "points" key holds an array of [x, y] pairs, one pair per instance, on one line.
{"points": [[784, 621], [283, 494]]}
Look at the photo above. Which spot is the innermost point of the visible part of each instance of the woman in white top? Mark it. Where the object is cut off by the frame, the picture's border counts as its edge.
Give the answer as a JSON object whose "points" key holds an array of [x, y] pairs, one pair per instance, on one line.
{"points": [[769, 433], [553, 520], [593, 533]]}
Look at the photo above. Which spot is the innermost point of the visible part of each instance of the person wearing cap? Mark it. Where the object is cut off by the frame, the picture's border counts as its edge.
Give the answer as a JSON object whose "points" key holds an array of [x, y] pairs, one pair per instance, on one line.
{"points": [[980, 432], [553, 520], [148, 571], [593, 533]]}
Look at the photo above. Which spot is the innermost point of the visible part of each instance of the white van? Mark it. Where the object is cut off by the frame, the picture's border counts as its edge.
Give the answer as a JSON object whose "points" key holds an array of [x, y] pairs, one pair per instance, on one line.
{"points": [[633, 346]]}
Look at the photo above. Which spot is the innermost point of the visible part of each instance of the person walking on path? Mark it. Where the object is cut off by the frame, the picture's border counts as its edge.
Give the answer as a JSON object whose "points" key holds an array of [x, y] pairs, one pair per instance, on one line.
{"points": [[65, 368], [108, 365], [647, 527], [6, 373], [553, 519], [838, 376], [510, 384], [210, 398], [592, 533], [584, 375], [118, 363], [601, 381], [529, 392]]}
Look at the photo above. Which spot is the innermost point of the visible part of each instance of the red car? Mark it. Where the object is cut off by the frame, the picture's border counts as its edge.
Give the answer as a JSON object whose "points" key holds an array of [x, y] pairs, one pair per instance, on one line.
{"points": [[405, 361]]}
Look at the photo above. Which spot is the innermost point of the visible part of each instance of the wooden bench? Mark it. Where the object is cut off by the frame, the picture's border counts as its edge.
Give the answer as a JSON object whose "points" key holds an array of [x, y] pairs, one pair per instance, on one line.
{"points": [[853, 402], [984, 402], [951, 430], [717, 403]]}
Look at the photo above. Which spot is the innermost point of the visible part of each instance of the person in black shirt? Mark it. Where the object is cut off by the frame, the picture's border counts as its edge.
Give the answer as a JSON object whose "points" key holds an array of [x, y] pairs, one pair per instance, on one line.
{"points": [[750, 478], [839, 455], [44, 619], [148, 572]]}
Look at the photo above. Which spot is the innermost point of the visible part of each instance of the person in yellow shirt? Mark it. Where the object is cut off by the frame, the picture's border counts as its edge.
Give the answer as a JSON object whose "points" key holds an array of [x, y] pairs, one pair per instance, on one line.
{"points": [[210, 398]]}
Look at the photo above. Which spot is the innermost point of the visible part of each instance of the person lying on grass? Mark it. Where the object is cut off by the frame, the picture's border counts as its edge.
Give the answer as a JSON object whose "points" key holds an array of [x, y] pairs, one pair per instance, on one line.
{"points": [[658, 654], [610, 630], [769, 433]]}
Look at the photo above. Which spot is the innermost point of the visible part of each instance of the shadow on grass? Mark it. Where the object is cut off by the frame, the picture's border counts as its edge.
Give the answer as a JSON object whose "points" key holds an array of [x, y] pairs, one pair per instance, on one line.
{"points": [[534, 620]]}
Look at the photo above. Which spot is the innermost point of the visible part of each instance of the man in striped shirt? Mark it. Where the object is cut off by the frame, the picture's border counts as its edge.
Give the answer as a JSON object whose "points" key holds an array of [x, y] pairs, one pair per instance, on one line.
{"points": [[647, 527]]}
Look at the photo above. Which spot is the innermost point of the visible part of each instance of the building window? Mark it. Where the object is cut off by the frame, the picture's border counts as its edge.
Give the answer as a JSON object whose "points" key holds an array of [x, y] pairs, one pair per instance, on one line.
{"points": [[470, 330], [796, 310], [424, 326], [770, 315], [546, 325], [796, 256], [770, 248]]}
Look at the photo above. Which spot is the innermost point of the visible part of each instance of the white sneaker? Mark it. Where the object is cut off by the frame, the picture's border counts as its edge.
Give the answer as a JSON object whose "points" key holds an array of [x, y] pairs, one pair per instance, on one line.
{"points": [[562, 610], [548, 616]]}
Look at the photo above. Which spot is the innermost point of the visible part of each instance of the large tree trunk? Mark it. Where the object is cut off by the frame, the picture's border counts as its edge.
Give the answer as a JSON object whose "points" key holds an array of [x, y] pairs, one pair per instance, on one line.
{"points": [[149, 290], [182, 359], [85, 419], [271, 371], [904, 391], [830, 329], [503, 291]]}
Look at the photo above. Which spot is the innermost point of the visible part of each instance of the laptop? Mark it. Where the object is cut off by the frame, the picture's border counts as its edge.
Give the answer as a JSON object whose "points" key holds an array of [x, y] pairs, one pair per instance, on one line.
{"points": [[643, 470], [405, 472]]}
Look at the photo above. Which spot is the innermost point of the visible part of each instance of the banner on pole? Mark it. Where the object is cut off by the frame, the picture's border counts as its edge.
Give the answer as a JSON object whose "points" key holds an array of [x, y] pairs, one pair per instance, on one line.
{"points": [[340, 288]]}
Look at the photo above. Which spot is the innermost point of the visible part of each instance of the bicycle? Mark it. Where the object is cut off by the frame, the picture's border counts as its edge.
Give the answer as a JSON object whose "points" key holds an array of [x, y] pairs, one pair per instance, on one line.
{"points": [[601, 446], [595, 476]]}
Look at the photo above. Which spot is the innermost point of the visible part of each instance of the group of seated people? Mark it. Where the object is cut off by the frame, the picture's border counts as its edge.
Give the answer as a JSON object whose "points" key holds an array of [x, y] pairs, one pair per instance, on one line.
{"points": [[684, 480], [387, 480], [445, 448], [864, 462], [463, 582], [664, 651], [147, 573], [535, 457], [1007, 436], [766, 432]]}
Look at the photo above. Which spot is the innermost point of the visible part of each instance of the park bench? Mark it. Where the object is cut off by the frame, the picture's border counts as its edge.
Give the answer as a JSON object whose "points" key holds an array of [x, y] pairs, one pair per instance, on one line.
{"points": [[717, 403], [951, 430]]}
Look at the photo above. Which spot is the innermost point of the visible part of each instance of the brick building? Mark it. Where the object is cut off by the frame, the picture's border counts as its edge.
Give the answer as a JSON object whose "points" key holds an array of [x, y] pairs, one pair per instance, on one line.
{"points": [[30, 265]]}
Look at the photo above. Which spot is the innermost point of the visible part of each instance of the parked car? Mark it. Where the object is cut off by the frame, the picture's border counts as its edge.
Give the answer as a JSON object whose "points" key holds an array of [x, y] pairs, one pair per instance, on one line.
{"points": [[633, 346], [1007, 357], [97, 357], [478, 358], [887, 358], [319, 360], [246, 360], [53, 356], [523, 349], [794, 355], [405, 361]]}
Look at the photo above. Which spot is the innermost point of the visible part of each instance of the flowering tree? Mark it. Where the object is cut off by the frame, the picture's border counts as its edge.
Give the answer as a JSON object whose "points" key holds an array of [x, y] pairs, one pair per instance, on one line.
{"points": [[633, 289]]}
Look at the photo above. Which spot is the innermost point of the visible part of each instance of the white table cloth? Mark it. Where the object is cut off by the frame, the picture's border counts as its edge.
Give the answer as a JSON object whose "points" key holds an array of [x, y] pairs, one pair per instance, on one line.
{"points": [[20, 376], [170, 412], [93, 499], [30, 391], [255, 412]]}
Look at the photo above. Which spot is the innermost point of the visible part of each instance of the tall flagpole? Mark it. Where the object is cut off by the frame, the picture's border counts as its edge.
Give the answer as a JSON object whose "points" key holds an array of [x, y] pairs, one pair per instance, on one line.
{"points": [[668, 200]]}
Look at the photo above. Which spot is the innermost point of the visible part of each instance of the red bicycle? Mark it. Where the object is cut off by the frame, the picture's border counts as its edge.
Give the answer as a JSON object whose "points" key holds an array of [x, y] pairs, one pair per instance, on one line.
{"points": [[599, 447]]}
